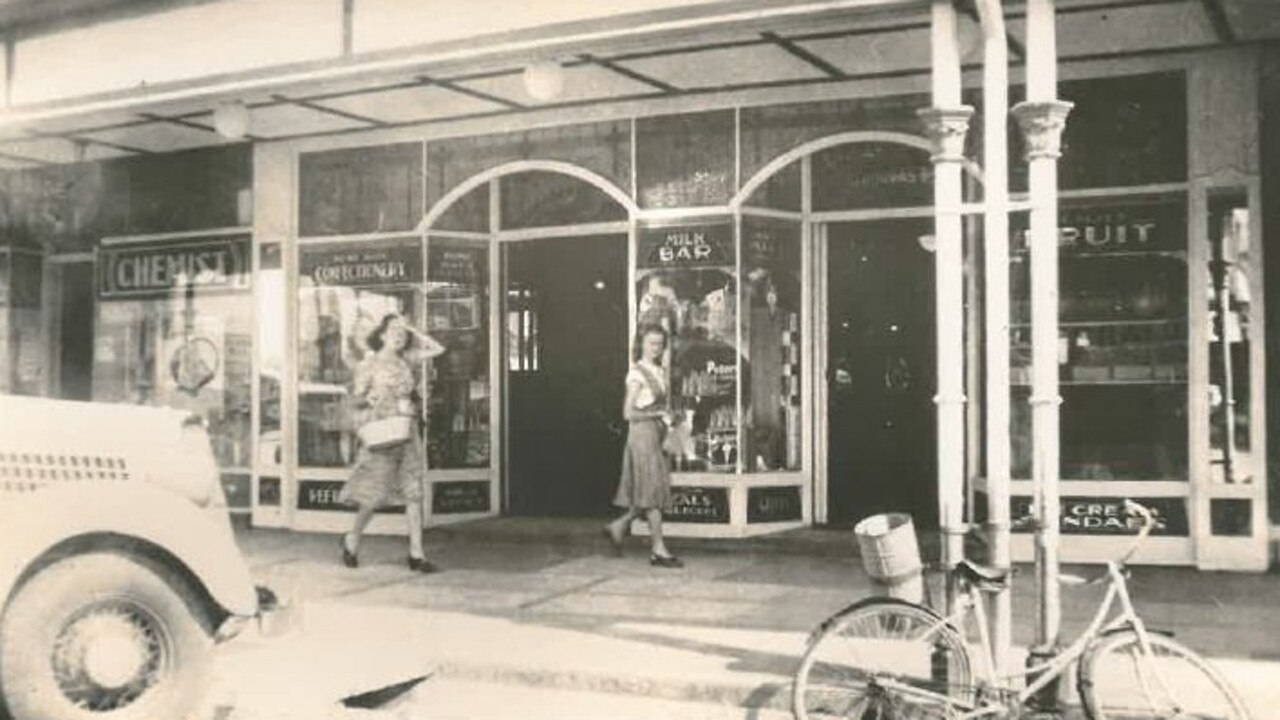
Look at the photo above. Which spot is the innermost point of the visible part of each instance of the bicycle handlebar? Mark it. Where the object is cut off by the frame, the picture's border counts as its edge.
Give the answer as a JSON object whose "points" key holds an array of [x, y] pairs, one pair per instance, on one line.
{"points": [[1148, 524]]}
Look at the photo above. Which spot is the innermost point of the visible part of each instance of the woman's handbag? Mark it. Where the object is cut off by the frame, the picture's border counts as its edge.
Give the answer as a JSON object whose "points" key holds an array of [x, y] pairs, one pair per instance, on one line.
{"points": [[386, 432]]}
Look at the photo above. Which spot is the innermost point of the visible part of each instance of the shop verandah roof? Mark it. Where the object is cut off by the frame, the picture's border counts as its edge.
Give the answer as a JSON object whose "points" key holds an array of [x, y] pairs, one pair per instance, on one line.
{"points": [[94, 79]]}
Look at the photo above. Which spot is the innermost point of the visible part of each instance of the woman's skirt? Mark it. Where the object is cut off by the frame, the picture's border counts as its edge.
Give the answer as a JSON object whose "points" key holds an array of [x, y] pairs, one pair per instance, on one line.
{"points": [[646, 481], [386, 476]]}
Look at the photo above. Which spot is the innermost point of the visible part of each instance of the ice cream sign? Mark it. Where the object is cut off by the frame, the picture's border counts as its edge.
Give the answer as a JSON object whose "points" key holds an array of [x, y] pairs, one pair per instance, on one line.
{"points": [[701, 245], [159, 269]]}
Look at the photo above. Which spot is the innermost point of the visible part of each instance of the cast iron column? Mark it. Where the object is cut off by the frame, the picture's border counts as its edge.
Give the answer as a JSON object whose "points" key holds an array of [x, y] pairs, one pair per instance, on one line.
{"points": [[946, 123], [1042, 118]]}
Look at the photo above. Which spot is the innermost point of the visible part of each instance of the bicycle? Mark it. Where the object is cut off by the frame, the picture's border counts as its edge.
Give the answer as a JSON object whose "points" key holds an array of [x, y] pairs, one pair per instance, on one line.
{"points": [[890, 659]]}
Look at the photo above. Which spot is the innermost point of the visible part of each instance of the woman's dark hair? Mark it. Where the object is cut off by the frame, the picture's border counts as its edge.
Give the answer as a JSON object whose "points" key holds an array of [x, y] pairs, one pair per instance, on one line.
{"points": [[374, 341], [637, 347]]}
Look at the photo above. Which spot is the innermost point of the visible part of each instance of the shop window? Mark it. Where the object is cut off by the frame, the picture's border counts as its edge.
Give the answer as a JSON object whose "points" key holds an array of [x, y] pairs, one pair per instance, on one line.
{"points": [[781, 191], [1122, 346], [603, 148], [1227, 277], [271, 355], [469, 213], [460, 393], [1123, 131], [544, 199], [686, 284], [771, 130], [174, 329], [872, 175], [345, 289], [686, 160], [771, 338], [360, 190], [1231, 517]]}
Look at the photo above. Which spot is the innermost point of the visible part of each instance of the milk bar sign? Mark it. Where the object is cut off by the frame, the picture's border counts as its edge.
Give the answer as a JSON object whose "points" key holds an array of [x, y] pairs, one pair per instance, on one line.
{"points": [[702, 245], [361, 265], [157, 270]]}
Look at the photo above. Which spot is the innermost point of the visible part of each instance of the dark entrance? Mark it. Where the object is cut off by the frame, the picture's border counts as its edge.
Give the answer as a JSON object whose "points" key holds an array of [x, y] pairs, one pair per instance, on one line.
{"points": [[75, 331], [880, 332], [566, 360]]}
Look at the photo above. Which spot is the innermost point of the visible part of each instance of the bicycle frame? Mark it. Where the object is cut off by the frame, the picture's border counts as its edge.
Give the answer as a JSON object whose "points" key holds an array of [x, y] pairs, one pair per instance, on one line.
{"points": [[1102, 623]]}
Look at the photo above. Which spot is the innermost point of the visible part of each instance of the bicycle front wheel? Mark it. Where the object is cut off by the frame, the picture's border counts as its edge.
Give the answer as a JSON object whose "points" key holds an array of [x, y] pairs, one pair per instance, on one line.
{"points": [[882, 659], [1119, 681]]}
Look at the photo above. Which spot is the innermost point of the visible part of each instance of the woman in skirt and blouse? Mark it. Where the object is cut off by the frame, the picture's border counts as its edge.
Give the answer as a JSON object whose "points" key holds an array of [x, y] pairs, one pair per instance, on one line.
{"points": [[391, 475], [645, 487]]}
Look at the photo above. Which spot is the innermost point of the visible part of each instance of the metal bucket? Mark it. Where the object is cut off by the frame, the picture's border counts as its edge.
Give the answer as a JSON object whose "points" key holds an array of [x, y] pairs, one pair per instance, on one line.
{"points": [[891, 555]]}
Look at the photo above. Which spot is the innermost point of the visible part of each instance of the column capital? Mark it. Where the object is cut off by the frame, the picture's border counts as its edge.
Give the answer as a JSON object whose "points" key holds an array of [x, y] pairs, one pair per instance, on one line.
{"points": [[946, 128], [1042, 124]]}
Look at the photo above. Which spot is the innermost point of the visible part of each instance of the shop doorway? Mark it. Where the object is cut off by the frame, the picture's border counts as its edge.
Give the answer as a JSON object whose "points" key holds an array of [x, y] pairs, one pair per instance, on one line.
{"points": [[566, 313], [881, 371], [71, 332]]}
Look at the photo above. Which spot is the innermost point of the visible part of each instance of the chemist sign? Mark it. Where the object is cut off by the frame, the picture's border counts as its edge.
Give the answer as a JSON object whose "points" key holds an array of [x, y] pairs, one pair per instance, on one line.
{"points": [[159, 269], [684, 246]]}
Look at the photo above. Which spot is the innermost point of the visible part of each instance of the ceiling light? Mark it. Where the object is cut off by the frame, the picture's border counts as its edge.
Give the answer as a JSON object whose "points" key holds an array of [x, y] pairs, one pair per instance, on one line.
{"points": [[231, 119], [544, 80]]}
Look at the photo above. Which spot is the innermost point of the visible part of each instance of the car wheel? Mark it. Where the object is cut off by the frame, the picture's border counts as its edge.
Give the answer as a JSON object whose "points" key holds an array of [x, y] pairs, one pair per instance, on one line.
{"points": [[102, 636]]}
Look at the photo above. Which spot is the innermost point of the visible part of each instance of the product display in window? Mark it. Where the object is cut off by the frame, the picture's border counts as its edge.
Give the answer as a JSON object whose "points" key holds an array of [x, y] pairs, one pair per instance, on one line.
{"points": [[345, 291], [458, 428], [698, 309], [174, 329], [1122, 347], [771, 333]]}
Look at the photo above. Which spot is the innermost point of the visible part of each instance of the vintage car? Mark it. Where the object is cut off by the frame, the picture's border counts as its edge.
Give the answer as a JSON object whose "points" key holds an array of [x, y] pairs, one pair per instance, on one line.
{"points": [[119, 569]]}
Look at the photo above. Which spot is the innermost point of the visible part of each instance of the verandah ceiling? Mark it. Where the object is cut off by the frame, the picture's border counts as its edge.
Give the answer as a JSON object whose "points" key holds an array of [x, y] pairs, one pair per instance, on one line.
{"points": [[860, 46]]}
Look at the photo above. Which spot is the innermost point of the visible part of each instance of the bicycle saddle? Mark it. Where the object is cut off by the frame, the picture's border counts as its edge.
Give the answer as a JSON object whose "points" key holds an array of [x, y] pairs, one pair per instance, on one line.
{"points": [[983, 576]]}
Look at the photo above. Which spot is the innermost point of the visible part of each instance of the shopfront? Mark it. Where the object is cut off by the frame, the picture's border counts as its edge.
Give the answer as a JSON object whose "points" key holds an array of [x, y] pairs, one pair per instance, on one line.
{"points": [[783, 235]]}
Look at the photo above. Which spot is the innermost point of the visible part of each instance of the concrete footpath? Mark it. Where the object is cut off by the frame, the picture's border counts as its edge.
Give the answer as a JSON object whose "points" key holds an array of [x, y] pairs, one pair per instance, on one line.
{"points": [[534, 619]]}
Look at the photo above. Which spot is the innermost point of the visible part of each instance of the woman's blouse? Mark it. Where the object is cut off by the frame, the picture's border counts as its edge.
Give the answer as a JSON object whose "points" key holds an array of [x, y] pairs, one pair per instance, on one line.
{"points": [[650, 387], [382, 387]]}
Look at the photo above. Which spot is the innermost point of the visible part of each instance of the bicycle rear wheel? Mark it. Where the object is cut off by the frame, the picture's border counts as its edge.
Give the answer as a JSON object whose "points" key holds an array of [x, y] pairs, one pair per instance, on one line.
{"points": [[1118, 681], [882, 659]]}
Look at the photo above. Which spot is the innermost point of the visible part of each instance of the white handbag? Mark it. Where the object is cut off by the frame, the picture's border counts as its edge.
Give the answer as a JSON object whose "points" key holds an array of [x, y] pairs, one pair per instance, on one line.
{"points": [[386, 432]]}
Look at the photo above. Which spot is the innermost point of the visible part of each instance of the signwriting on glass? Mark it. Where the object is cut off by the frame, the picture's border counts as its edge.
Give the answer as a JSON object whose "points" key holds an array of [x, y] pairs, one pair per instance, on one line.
{"points": [[460, 497], [353, 265], [699, 505], [1115, 228], [705, 245], [156, 270], [1107, 515]]}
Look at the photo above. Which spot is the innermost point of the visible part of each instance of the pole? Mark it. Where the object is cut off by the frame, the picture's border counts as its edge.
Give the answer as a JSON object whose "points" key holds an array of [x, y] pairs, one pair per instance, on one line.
{"points": [[946, 123], [1042, 118], [995, 162]]}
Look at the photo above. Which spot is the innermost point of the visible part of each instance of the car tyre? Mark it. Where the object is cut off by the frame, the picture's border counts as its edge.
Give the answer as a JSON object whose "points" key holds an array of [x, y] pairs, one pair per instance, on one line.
{"points": [[103, 636]]}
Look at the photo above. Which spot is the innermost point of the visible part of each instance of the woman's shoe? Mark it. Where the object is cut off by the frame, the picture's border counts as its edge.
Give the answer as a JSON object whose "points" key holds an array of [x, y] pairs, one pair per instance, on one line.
{"points": [[422, 565], [665, 561], [615, 542], [348, 558]]}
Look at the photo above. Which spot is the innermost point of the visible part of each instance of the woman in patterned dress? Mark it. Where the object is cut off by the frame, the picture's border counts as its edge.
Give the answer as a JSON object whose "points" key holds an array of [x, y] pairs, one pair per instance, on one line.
{"points": [[383, 387], [645, 487]]}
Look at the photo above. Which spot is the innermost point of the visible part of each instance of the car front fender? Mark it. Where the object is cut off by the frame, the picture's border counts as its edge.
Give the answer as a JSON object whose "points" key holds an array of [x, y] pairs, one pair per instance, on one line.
{"points": [[34, 523]]}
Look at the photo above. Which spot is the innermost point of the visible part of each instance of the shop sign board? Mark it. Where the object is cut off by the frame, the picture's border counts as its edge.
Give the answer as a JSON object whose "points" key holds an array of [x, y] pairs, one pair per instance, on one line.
{"points": [[1110, 227], [158, 269], [773, 504], [690, 504], [362, 264], [1107, 516], [686, 246], [466, 496], [466, 266], [323, 495]]}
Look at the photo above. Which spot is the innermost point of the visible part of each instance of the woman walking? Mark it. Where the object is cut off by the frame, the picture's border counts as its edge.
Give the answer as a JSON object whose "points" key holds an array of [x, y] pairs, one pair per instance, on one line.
{"points": [[645, 487], [388, 475]]}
